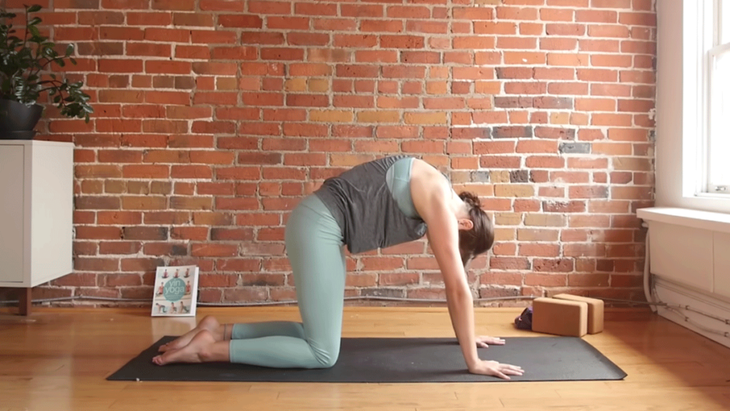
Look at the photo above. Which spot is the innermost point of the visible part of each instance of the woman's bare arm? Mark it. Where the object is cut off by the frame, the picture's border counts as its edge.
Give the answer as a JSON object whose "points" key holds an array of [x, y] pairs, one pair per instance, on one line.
{"points": [[444, 239], [432, 198]]}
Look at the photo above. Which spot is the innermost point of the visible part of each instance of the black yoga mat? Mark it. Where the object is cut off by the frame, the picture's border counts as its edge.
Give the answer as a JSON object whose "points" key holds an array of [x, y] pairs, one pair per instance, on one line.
{"points": [[400, 360]]}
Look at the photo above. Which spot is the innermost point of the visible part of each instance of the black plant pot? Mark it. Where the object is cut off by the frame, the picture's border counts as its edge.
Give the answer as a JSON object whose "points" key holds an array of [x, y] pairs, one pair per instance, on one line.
{"points": [[18, 120]]}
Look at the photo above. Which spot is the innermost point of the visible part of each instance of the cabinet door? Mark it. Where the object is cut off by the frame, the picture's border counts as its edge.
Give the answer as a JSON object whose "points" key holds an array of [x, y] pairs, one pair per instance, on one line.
{"points": [[11, 213]]}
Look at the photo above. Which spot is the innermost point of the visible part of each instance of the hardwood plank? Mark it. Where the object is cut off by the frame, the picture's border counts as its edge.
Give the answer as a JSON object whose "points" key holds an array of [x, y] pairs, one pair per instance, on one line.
{"points": [[692, 401]]}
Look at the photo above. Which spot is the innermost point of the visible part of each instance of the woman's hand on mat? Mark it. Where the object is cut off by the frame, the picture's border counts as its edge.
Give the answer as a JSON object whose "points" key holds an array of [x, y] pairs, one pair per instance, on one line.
{"points": [[496, 369], [483, 341]]}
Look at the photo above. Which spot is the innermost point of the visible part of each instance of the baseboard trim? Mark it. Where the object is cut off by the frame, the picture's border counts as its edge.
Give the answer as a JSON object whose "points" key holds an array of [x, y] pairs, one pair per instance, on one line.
{"points": [[675, 294]]}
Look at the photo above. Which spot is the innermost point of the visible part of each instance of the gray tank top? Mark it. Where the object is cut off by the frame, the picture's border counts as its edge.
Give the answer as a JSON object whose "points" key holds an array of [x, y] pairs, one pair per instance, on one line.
{"points": [[364, 207]]}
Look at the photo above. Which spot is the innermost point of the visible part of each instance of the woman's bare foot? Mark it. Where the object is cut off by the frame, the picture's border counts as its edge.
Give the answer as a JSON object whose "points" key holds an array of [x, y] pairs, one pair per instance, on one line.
{"points": [[208, 323], [194, 352]]}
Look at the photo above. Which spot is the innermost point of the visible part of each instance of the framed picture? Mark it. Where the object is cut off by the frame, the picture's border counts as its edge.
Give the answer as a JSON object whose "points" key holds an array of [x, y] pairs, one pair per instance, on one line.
{"points": [[175, 292]]}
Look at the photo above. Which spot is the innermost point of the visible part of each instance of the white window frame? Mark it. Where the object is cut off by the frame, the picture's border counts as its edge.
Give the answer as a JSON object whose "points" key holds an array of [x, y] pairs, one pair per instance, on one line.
{"points": [[685, 34], [712, 183]]}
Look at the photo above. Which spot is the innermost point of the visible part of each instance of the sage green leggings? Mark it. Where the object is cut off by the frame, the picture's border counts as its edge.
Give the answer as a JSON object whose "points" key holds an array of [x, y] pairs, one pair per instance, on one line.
{"points": [[315, 248]]}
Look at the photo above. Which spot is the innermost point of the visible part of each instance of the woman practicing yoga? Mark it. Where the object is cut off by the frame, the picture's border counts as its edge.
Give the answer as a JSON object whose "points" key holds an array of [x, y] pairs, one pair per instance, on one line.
{"points": [[378, 204]]}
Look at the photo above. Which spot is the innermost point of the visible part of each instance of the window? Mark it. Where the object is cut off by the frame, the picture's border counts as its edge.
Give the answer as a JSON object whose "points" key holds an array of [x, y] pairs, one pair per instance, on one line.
{"points": [[718, 138], [689, 163]]}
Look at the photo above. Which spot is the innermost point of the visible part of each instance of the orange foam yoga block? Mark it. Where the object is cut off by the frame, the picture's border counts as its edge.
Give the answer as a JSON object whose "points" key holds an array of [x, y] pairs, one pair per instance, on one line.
{"points": [[560, 317], [595, 311]]}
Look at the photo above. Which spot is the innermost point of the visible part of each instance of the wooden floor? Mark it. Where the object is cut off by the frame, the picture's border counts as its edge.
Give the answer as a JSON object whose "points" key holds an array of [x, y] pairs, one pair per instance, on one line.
{"points": [[57, 359]]}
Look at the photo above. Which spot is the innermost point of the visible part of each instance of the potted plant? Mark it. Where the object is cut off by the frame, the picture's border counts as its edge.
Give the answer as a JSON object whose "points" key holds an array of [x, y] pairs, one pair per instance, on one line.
{"points": [[23, 80]]}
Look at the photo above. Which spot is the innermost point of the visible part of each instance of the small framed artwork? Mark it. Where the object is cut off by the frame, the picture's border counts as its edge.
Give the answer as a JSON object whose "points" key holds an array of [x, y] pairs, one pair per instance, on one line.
{"points": [[176, 291]]}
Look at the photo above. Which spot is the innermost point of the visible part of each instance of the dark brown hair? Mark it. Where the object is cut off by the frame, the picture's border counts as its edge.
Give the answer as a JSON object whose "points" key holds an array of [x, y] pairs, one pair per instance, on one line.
{"points": [[480, 238]]}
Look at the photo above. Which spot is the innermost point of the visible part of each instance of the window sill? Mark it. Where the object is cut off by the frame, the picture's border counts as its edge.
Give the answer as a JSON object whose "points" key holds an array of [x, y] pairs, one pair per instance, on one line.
{"points": [[706, 220]]}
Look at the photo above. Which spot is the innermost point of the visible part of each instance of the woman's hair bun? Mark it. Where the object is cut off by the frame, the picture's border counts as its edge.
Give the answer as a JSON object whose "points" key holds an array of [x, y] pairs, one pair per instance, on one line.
{"points": [[470, 199]]}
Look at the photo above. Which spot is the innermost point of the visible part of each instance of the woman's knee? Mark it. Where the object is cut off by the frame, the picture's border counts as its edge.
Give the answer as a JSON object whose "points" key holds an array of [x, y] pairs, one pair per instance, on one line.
{"points": [[327, 362], [326, 357]]}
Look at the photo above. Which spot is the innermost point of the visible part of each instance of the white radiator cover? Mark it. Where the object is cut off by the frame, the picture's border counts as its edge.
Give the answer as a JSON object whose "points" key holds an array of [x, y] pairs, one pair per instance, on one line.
{"points": [[689, 259]]}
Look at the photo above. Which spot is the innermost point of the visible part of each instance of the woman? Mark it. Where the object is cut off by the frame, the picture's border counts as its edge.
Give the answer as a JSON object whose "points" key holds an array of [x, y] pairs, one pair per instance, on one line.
{"points": [[374, 205]]}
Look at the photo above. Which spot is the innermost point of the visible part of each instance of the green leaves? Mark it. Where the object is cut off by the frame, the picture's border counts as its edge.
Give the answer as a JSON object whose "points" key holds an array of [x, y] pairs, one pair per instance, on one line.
{"points": [[25, 60]]}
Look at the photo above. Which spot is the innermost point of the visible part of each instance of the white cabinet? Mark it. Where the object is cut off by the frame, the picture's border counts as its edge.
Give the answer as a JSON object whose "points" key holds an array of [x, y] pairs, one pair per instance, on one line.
{"points": [[36, 212]]}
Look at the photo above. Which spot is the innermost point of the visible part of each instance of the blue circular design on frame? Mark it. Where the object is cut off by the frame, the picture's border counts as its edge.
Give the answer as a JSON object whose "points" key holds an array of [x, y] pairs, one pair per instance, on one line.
{"points": [[174, 289]]}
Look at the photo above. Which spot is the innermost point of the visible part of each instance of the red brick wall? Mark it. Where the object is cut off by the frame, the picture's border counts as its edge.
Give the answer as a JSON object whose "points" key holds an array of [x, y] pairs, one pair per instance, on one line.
{"points": [[215, 117]]}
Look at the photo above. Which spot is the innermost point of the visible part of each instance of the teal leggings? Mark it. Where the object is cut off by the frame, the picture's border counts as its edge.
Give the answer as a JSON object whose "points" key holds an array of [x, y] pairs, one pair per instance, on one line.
{"points": [[315, 248]]}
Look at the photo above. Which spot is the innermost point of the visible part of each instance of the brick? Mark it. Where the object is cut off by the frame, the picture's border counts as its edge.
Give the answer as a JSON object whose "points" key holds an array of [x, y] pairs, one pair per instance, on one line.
{"points": [[537, 146], [507, 28], [266, 7], [545, 220], [588, 192], [553, 265], [500, 162], [77, 4], [638, 19], [511, 132], [401, 41], [533, 87], [145, 233], [632, 163], [554, 14], [568, 59], [517, 13], [119, 218], [532, 29], [520, 57], [422, 26], [144, 203], [539, 250], [120, 280], [647, 77], [471, 13], [616, 31], [575, 148], [425, 118], [421, 293], [248, 21], [634, 193], [409, 72], [307, 100], [193, 19], [404, 102], [308, 39], [98, 233], [173, 5], [376, 56], [620, 120], [513, 102], [558, 44], [76, 280], [514, 190], [509, 263], [97, 171]]}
